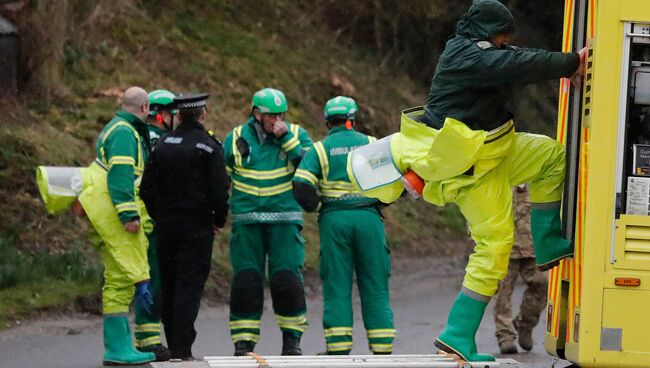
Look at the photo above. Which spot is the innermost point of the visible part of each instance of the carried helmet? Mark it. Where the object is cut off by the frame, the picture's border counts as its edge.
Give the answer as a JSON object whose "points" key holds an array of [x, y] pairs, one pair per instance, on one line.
{"points": [[341, 107], [270, 101], [161, 99]]}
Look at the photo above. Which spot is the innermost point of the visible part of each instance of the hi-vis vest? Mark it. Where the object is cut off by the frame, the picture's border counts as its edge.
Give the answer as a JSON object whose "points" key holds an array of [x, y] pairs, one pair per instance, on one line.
{"points": [[324, 167], [261, 174]]}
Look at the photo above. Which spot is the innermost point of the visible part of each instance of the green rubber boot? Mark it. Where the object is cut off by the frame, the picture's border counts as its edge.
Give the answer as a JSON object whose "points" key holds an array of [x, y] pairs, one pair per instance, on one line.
{"points": [[458, 337], [546, 231], [118, 346]]}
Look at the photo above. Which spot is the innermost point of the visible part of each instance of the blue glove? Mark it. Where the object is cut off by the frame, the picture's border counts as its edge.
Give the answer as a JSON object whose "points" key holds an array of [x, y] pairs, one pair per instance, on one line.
{"points": [[143, 295]]}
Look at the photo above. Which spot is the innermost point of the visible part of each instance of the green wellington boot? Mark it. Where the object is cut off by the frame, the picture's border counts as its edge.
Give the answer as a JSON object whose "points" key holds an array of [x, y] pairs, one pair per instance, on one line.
{"points": [[546, 230], [118, 346], [458, 336]]}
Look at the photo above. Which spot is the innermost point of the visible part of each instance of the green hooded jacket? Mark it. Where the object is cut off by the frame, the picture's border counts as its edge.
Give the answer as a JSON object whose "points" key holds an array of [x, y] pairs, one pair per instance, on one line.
{"points": [[474, 79]]}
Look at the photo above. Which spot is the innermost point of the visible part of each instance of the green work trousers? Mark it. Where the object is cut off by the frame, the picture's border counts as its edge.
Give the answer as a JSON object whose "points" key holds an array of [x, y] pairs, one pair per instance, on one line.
{"points": [[353, 240], [147, 325], [250, 246]]}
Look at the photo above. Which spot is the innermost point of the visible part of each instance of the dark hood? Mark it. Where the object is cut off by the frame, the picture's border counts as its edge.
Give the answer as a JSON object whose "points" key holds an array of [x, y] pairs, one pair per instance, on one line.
{"points": [[486, 18]]}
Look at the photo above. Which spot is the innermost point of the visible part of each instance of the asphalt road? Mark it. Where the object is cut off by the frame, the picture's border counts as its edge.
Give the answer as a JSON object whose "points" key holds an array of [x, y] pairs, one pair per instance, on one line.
{"points": [[423, 290]]}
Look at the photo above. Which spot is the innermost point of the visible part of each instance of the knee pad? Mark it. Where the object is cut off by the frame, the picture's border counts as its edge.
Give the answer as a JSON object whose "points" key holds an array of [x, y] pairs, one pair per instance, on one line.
{"points": [[288, 293], [247, 293]]}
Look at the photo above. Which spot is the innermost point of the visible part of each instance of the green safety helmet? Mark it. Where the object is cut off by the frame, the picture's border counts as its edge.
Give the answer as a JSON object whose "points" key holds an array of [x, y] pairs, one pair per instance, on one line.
{"points": [[270, 101], [161, 99], [341, 107]]}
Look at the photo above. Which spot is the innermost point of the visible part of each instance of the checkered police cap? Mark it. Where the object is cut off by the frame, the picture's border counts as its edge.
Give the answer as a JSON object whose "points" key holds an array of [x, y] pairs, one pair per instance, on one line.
{"points": [[190, 100]]}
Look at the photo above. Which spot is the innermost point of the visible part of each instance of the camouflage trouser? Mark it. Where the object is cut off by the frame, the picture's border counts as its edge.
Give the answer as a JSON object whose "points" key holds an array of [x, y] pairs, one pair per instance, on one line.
{"points": [[533, 302]]}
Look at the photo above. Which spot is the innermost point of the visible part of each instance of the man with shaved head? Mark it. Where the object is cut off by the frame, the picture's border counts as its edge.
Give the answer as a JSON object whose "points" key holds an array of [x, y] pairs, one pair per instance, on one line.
{"points": [[119, 218]]}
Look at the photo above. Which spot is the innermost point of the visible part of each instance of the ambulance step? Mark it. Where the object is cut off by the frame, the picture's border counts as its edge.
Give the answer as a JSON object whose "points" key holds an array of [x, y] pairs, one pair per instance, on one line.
{"points": [[341, 361]]}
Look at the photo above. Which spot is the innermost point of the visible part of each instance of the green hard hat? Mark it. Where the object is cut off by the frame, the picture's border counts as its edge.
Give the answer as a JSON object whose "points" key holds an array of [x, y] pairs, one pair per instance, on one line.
{"points": [[270, 101], [160, 99], [341, 107]]}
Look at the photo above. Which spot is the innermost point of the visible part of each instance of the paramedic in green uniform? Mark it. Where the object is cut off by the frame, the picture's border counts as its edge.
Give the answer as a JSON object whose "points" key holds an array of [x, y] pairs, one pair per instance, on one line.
{"points": [[351, 235], [106, 192], [261, 157], [147, 325], [117, 214], [161, 114]]}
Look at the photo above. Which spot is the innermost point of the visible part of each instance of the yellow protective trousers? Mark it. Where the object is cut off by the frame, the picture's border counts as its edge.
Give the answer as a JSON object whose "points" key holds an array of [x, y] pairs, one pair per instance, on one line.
{"points": [[124, 254], [477, 170]]}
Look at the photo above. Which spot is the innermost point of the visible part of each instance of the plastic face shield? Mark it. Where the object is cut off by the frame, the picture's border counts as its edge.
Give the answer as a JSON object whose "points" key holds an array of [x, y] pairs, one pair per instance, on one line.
{"points": [[373, 166], [59, 186], [63, 181]]}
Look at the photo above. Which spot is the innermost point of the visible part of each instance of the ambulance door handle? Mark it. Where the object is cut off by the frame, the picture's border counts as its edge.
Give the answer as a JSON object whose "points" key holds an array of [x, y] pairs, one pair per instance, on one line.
{"points": [[641, 35]]}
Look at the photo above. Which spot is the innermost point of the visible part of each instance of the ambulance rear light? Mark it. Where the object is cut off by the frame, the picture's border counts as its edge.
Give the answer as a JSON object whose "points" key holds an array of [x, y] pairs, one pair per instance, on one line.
{"points": [[627, 281]]}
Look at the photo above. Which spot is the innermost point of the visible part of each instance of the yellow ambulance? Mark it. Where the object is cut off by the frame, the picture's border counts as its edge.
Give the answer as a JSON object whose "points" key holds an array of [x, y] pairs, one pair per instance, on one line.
{"points": [[598, 312]]}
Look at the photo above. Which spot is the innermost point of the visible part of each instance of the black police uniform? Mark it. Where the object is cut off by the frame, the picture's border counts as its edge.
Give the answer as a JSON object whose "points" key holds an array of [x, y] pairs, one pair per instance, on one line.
{"points": [[185, 188]]}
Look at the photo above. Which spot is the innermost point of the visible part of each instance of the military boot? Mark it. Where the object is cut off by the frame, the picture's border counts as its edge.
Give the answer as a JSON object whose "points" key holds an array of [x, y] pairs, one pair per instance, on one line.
{"points": [[525, 335], [290, 344], [244, 347], [507, 347]]}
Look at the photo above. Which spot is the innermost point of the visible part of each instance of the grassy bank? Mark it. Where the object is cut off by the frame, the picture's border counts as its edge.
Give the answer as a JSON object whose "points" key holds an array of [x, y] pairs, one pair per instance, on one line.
{"points": [[226, 50]]}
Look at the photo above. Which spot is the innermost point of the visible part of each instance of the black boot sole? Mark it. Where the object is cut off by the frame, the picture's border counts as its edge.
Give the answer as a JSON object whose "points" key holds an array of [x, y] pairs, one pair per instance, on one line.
{"points": [[294, 352], [553, 263], [447, 349], [117, 364]]}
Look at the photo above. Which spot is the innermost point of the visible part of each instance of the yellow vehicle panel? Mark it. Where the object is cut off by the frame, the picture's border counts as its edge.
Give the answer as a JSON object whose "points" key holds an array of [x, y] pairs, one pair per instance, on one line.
{"points": [[591, 320]]}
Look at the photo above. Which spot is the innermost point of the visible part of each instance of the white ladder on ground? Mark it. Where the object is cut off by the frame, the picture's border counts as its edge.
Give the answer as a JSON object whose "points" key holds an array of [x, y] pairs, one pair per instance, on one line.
{"points": [[353, 361]]}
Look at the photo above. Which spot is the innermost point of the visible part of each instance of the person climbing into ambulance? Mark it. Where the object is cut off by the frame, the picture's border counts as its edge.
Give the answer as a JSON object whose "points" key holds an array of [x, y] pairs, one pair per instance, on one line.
{"points": [[462, 148]]}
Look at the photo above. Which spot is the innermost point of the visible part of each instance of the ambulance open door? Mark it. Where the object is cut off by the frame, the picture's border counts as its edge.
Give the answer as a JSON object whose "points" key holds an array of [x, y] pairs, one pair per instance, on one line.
{"points": [[598, 312]]}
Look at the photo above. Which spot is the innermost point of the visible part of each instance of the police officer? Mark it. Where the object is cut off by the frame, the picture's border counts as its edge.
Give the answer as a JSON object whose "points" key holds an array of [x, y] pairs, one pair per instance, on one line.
{"points": [[351, 235], [185, 187]]}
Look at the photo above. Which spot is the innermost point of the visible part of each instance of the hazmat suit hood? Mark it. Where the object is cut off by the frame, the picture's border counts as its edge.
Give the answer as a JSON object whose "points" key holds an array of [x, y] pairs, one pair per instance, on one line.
{"points": [[486, 18]]}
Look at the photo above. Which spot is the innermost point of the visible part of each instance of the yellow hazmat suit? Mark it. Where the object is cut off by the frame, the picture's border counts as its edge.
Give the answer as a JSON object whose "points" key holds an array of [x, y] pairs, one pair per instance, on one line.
{"points": [[476, 170], [124, 254]]}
